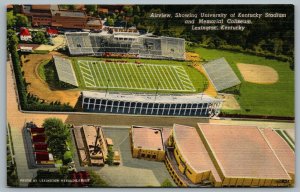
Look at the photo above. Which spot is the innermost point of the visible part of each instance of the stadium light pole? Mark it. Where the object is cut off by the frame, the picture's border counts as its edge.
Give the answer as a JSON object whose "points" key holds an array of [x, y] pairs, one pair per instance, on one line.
{"points": [[108, 80]]}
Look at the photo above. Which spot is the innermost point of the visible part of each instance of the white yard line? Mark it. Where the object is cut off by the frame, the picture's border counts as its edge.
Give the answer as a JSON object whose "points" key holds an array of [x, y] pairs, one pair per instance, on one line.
{"points": [[123, 77], [106, 76], [126, 75], [100, 74], [177, 78], [149, 77], [96, 77], [156, 72], [134, 81]]}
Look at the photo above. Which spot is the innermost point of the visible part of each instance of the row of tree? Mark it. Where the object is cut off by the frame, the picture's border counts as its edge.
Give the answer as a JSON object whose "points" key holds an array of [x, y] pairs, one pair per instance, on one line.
{"points": [[269, 37], [27, 101]]}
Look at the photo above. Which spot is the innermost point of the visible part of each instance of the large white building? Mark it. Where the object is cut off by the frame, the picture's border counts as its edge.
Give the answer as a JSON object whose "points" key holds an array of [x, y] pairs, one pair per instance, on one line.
{"points": [[151, 104]]}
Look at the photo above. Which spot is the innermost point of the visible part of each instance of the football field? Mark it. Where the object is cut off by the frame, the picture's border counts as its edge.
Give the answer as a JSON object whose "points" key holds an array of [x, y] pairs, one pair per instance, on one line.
{"points": [[132, 76]]}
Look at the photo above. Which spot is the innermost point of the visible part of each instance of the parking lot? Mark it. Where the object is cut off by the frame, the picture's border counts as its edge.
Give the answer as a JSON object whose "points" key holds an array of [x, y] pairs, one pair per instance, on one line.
{"points": [[131, 172]]}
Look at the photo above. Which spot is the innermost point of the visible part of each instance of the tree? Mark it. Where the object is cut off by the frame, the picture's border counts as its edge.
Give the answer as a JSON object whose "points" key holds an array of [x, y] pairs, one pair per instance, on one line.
{"points": [[21, 20], [11, 19], [167, 183], [53, 122], [39, 37], [91, 8], [129, 10], [67, 157], [12, 40], [57, 134], [110, 21]]}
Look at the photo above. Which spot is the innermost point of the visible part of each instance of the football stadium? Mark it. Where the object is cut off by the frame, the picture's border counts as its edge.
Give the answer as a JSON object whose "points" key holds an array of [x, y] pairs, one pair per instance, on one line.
{"points": [[150, 78]]}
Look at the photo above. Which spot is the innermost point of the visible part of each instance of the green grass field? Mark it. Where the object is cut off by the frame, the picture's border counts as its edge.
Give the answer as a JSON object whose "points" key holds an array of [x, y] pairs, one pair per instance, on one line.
{"points": [[149, 75], [256, 99]]}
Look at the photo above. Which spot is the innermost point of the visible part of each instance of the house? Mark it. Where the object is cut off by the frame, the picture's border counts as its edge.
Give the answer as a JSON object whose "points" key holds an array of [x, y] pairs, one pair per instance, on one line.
{"points": [[43, 157], [51, 32], [40, 147], [38, 138], [25, 34]]}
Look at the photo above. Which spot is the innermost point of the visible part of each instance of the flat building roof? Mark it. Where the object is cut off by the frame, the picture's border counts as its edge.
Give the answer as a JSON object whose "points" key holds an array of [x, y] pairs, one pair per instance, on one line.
{"points": [[242, 151], [193, 150], [147, 138]]}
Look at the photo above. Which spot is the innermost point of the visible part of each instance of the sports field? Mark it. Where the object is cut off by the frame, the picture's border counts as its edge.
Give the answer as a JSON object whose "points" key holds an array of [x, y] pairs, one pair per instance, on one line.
{"points": [[118, 75], [276, 99]]}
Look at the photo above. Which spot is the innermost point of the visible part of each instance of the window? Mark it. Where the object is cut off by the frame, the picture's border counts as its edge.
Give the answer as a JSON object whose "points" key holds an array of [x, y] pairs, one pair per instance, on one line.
{"points": [[148, 156], [143, 155], [153, 156]]}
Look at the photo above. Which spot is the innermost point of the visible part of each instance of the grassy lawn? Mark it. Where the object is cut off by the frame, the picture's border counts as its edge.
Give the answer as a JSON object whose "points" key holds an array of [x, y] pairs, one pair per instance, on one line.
{"points": [[256, 99], [47, 72], [167, 76]]}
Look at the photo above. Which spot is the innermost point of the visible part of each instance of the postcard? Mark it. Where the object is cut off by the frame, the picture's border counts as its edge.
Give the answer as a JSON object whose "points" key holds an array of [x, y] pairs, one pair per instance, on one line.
{"points": [[150, 95]]}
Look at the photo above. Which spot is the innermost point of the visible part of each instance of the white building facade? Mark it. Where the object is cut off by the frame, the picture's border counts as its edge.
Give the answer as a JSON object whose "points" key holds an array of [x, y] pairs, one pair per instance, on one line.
{"points": [[150, 104]]}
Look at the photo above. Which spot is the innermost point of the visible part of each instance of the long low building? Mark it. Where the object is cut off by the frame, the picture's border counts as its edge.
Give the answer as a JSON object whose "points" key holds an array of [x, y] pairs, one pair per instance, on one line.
{"points": [[151, 104], [229, 156]]}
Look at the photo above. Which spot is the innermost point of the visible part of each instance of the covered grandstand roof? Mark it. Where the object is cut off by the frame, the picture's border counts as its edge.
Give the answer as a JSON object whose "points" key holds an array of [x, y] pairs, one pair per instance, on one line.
{"points": [[65, 70], [221, 74], [147, 138], [193, 150], [148, 97], [242, 151]]}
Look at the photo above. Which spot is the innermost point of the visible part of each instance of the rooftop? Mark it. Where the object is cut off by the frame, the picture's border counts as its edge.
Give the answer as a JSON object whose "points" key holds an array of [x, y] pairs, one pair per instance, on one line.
{"points": [[242, 151], [40, 147], [193, 150], [37, 130], [38, 139], [68, 13], [283, 151], [148, 97], [147, 138], [221, 74]]}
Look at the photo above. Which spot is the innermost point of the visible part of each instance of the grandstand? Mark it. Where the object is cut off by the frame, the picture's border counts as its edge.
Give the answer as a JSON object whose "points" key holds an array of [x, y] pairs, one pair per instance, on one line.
{"points": [[221, 74], [151, 104], [134, 44], [65, 70]]}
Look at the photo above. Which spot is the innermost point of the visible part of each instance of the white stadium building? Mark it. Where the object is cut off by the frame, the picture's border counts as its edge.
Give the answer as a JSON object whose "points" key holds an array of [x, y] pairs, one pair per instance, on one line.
{"points": [[125, 43], [151, 104]]}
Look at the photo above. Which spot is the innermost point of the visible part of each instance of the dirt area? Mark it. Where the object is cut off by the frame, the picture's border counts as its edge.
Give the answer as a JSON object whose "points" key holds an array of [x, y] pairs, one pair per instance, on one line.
{"points": [[58, 41], [195, 58], [229, 102], [39, 87], [192, 56], [258, 73]]}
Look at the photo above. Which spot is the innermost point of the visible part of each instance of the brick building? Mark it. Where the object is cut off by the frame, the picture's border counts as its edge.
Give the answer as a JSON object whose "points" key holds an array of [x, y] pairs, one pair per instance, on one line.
{"points": [[51, 15]]}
